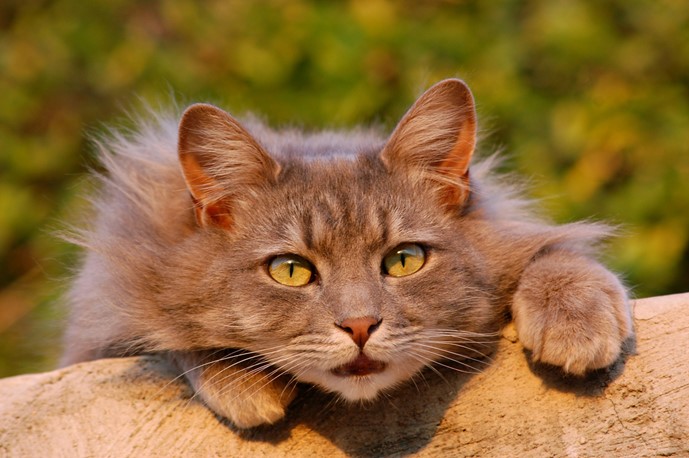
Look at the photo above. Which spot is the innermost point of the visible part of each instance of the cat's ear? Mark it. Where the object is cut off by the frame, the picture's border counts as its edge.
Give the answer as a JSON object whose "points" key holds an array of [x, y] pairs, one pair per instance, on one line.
{"points": [[219, 160], [436, 138]]}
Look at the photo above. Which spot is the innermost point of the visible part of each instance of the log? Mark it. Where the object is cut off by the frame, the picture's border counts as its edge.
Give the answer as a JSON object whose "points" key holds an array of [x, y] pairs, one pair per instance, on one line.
{"points": [[136, 407]]}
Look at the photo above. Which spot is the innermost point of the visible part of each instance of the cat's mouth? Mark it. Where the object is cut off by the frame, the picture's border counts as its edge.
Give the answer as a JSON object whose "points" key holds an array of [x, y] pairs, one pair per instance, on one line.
{"points": [[362, 365]]}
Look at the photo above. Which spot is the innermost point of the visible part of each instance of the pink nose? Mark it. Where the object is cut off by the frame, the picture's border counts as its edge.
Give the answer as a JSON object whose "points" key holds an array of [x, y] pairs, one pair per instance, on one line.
{"points": [[360, 329]]}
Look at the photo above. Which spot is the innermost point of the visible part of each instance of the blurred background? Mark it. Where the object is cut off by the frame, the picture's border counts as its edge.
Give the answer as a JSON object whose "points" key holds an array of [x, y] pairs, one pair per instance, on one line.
{"points": [[589, 100]]}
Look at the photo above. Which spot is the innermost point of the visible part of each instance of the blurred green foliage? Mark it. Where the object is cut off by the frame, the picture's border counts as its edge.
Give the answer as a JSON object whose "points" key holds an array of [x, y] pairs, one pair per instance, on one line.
{"points": [[590, 99]]}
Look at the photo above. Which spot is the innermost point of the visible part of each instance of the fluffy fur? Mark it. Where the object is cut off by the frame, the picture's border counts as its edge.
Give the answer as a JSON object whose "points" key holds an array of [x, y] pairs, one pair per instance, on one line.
{"points": [[189, 215]]}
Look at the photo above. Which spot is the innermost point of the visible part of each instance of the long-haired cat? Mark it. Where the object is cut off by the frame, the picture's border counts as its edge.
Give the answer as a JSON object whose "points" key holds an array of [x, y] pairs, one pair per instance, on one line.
{"points": [[257, 258]]}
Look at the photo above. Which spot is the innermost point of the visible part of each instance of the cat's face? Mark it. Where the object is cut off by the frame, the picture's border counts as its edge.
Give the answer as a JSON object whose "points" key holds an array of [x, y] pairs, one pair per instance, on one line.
{"points": [[350, 272]]}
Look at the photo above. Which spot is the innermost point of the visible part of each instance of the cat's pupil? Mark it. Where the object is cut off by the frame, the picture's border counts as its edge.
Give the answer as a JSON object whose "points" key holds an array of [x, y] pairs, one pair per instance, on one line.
{"points": [[291, 269], [403, 258]]}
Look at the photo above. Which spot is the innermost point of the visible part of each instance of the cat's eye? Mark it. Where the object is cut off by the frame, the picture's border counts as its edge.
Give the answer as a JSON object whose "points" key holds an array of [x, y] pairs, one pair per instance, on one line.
{"points": [[404, 260], [291, 270]]}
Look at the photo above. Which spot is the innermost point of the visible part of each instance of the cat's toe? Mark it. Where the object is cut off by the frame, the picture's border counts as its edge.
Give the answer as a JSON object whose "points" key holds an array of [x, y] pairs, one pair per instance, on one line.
{"points": [[575, 351]]}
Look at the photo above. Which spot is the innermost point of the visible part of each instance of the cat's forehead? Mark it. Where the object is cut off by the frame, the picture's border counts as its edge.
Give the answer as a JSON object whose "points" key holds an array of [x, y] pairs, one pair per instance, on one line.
{"points": [[335, 205]]}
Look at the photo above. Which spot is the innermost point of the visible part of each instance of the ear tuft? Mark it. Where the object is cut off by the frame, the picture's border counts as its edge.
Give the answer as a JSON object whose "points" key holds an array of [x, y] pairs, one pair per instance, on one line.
{"points": [[437, 137], [219, 159]]}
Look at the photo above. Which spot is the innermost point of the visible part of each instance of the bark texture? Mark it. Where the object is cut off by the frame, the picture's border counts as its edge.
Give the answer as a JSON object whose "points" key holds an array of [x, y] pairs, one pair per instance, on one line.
{"points": [[135, 407]]}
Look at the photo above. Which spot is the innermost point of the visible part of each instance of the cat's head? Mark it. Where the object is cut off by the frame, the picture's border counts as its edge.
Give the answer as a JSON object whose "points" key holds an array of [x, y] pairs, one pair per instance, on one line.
{"points": [[344, 264]]}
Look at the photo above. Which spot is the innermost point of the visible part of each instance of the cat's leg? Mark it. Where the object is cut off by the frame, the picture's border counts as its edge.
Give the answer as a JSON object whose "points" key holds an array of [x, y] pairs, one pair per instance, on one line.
{"points": [[234, 390], [571, 312]]}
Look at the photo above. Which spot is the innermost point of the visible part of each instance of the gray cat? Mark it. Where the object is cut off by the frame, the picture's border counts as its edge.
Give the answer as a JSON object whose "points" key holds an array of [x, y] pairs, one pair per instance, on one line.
{"points": [[257, 258]]}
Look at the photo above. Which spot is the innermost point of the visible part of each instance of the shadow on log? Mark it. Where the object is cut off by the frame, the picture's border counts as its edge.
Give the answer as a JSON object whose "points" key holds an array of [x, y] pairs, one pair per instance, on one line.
{"points": [[136, 407]]}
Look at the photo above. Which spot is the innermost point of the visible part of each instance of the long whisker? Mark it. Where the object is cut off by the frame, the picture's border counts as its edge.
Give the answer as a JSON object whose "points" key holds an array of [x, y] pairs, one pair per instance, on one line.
{"points": [[460, 333], [235, 377], [440, 345], [259, 360], [440, 363], [442, 352], [234, 353], [269, 377], [429, 364]]}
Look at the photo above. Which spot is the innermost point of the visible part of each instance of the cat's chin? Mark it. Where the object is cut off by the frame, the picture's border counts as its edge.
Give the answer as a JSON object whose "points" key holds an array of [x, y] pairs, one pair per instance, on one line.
{"points": [[361, 380]]}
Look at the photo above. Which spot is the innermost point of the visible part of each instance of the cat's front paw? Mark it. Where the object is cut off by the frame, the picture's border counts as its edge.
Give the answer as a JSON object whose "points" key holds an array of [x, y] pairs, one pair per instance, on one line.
{"points": [[571, 312], [247, 397], [253, 403]]}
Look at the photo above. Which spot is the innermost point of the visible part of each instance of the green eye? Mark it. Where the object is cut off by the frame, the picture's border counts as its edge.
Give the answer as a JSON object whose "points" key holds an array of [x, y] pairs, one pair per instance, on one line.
{"points": [[404, 260], [291, 270]]}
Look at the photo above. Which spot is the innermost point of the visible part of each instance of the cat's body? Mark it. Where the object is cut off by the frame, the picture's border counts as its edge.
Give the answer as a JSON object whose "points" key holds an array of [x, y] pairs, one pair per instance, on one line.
{"points": [[201, 232]]}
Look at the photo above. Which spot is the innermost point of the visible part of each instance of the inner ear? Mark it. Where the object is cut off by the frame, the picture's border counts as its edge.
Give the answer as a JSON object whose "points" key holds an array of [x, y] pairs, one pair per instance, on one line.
{"points": [[219, 160], [437, 138]]}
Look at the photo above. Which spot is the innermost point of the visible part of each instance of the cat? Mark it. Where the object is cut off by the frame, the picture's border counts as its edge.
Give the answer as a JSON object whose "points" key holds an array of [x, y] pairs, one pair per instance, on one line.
{"points": [[257, 258]]}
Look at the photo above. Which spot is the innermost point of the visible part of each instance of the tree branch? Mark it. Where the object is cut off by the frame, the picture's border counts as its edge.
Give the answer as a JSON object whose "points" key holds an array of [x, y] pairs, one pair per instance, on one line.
{"points": [[133, 407]]}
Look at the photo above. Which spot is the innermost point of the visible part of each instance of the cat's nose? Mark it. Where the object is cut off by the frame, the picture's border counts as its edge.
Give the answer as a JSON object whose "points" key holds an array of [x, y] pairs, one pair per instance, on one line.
{"points": [[360, 329]]}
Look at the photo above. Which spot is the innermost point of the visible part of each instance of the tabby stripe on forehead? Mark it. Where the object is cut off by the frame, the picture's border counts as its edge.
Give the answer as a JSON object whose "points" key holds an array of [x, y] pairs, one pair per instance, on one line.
{"points": [[383, 224], [327, 212], [307, 233], [360, 210]]}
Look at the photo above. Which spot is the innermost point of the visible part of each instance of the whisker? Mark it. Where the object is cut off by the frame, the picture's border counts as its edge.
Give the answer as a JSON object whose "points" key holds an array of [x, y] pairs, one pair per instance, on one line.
{"points": [[451, 357], [456, 369], [429, 364], [471, 350], [462, 333], [246, 373], [270, 377]]}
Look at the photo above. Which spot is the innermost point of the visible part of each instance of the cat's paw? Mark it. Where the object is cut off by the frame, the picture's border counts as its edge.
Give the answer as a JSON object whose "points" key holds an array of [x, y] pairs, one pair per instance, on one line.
{"points": [[571, 312], [246, 397], [253, 402]]}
